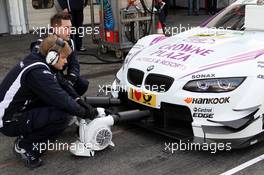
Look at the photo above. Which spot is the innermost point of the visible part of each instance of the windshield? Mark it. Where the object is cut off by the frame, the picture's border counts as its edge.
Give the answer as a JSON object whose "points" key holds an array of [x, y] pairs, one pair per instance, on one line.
{"points": [[232, 19]]}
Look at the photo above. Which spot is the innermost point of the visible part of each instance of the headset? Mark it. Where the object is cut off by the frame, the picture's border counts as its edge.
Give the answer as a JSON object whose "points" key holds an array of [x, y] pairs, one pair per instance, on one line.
{"points": [[53, 53]]}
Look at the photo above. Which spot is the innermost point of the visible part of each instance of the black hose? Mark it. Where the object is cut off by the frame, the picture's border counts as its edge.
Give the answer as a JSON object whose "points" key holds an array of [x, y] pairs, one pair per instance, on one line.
{"points": [[130, 35], [102, 101], [133, 115], [146, 8], [151, 17]]}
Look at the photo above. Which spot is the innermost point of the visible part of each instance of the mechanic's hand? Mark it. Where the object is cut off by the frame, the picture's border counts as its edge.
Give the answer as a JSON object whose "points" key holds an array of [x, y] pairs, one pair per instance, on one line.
{"points": [[71, 79], [87, 112], [101, 112]]}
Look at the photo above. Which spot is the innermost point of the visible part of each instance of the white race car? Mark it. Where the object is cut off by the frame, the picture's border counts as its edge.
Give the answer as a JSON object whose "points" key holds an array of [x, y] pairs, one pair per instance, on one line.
{"points": [[203, 84]]}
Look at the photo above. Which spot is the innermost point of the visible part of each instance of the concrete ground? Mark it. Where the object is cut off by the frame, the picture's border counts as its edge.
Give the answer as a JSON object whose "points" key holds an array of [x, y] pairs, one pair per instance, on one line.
{"points": [[137, 151]]}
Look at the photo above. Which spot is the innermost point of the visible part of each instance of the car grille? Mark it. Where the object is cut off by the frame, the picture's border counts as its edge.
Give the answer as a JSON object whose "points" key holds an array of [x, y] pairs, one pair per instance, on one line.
{"points": [[158, 83], [135, 77]]}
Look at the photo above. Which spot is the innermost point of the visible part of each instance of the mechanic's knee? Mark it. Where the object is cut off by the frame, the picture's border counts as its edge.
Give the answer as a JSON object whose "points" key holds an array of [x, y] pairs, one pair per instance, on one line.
{"points": [[59, 117], [65, 119], [10, 131], [17, 127]]}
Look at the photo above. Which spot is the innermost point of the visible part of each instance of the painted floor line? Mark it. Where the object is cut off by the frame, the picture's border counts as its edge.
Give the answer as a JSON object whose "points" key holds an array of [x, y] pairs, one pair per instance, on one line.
{"points": [[9, 164], [244, 165]]}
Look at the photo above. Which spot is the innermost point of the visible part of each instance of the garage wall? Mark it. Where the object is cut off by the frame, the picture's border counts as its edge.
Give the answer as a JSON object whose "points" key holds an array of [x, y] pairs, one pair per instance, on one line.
{"points": [[17, 21], [3, 17], [87, 14], [38, 17]]}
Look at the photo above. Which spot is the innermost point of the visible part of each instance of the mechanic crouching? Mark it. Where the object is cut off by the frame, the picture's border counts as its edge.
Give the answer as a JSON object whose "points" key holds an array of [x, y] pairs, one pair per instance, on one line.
{"points": [[33, 106]]}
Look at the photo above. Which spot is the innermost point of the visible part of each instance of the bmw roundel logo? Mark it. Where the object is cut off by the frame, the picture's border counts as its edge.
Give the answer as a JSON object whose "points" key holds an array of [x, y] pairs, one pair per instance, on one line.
{"points": [[150, 68]]}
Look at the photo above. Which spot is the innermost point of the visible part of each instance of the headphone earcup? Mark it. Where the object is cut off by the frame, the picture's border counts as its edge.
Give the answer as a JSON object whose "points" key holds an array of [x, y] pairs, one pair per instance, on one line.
{"points": [[52, 57]]}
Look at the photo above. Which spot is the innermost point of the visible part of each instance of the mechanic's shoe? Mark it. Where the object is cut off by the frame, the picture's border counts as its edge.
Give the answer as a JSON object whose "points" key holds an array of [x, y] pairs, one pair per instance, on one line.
{"points": [[30, 160]]}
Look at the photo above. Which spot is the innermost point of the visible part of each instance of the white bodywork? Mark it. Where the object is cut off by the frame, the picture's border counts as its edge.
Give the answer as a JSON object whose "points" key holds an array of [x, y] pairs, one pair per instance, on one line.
{"points": [[207, 53]]}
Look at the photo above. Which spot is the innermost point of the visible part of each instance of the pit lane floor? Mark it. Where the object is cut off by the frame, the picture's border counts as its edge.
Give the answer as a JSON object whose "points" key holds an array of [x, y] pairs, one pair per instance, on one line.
{"points": [[137, 151]]}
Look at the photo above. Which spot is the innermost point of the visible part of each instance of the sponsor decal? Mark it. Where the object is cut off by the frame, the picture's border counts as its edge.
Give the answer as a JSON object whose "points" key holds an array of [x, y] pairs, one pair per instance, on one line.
{"points": [[229, 61], [156, 40], [196, 109], [260, 64], [188, 100], [260, 76], [142, 97], [203, 115], [203, 112], [163, 62], [222, 100], [200, 76], [181, 52]]}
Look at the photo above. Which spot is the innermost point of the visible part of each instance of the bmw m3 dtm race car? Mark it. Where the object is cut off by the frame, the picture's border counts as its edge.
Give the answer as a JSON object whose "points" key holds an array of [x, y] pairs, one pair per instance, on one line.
{"points": [[205, 84]]}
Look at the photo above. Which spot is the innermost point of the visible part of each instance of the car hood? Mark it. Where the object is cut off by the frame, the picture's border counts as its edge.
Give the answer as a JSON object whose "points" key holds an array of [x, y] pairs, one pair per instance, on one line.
{"points": [[199, 50]]}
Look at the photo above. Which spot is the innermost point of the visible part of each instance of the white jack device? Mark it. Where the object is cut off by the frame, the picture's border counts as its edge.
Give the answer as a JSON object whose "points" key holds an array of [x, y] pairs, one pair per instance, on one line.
{"points": [[96, 135]]}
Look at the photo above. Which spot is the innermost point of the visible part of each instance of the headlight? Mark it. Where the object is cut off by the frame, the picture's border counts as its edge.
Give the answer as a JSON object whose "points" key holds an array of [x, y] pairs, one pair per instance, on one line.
{"points": [[214, 85]]}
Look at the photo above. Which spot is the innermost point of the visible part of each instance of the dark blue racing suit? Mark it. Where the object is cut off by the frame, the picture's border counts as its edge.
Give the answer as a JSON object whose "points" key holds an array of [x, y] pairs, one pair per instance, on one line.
{"points": [[33, 104]]}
